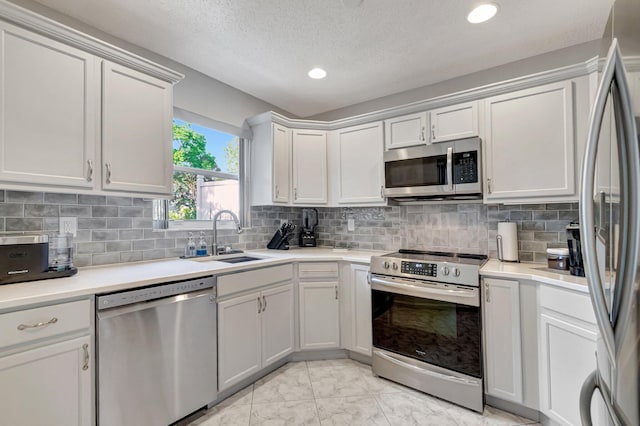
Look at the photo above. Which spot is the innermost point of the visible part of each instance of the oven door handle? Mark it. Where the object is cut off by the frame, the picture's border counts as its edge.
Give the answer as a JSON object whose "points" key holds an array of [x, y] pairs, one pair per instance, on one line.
{"points": [[465, 297], [421, 370]]}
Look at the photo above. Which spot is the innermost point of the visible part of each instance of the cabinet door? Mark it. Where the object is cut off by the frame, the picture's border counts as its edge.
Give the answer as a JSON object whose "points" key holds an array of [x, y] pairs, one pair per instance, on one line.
{"points": [[567, 357], [503, 349], [281, 163], [530, 144], [239, 339], [48, 97], [360, 168], [277, 323], [454, 122], [408, 130], [137, 114], [47, 385], [309, 167], [362, 329], [319, 317]]}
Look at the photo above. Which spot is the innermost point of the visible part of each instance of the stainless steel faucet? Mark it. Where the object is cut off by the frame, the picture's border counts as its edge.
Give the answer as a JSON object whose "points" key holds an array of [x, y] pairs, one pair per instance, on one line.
{"points": [[214, 245]]}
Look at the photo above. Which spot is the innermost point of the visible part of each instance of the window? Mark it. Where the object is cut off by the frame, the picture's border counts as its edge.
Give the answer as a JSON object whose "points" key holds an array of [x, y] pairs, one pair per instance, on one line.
{"points": [[206, 179]]}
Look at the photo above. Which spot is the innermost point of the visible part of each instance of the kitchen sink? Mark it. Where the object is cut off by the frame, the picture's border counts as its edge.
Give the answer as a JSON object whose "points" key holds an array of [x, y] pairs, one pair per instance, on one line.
{"points": [[239, 259]]}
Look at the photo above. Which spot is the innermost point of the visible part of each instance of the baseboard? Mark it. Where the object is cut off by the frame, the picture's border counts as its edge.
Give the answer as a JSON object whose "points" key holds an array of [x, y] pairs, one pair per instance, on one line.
{"points": [[360, 358], [512, 407], [320, 354]]}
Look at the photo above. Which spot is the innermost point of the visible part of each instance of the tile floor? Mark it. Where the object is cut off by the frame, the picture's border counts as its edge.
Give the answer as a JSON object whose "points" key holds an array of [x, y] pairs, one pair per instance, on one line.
{"points": [[341, 392]]}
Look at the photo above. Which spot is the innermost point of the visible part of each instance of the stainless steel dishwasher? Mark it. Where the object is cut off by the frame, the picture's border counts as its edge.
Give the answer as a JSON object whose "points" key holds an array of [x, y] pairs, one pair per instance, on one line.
{"points": [[156, 352]]}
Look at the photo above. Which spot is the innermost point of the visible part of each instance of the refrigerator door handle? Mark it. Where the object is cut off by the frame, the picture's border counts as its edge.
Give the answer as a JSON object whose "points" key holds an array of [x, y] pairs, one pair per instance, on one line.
{"points": [[589, 387], [586, 207], [622, 306]]}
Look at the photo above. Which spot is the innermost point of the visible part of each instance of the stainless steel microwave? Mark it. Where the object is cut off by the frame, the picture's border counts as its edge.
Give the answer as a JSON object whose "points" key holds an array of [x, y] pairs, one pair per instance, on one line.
{"points": [[448, 170]]}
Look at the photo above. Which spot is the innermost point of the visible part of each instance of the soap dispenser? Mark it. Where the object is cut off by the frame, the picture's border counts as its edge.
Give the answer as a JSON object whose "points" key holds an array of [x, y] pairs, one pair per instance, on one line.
{"points": [[202, 246], [190, 247]]}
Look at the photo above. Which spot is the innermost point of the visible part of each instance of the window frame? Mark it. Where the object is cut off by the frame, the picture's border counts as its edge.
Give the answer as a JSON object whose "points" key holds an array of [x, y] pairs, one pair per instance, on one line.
{"points": [[161, 210]]}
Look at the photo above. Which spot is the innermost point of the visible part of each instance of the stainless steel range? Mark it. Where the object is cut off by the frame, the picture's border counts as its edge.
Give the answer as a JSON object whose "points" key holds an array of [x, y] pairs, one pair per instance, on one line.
{"points": [[427, 323]]}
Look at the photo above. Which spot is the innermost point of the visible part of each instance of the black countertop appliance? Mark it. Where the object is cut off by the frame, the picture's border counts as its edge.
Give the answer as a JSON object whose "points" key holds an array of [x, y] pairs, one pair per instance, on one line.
{"points": [[576, 264], [26, 258], [309, 223]]}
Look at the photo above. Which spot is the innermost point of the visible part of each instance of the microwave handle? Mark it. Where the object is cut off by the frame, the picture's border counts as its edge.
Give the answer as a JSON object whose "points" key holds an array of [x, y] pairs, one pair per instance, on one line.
{"points": [[450, 168]]}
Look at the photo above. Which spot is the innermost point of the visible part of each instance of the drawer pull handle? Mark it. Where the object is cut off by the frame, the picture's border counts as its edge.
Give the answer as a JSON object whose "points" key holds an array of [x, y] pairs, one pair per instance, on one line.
{"points": [[38, 325], [85, 347]]}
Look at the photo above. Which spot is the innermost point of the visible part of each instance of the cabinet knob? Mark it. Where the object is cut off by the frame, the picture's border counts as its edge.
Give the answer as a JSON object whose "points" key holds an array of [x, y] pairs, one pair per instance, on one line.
{"points": [[422, 134], [489, 186], [295, 193], [433, 132]]}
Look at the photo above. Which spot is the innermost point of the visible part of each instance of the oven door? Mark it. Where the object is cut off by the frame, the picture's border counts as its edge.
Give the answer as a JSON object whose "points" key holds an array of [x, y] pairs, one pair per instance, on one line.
{"points": [[419, 171], [431, 322]]}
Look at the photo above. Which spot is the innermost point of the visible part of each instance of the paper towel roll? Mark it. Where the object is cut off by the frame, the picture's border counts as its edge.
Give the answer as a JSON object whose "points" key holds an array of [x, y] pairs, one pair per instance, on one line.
{"points": [[507, 241]]}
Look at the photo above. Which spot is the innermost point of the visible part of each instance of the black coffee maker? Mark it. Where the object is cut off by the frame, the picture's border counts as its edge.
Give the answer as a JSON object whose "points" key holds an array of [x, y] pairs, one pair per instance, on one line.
{"points": [[576, 264], [309, 223]]}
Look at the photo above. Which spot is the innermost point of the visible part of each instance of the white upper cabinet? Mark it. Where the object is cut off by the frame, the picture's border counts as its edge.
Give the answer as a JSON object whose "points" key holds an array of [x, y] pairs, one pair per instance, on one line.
{"points": [[281, 164], [137, 112], [270, 164], [360, 168], [309, 167], [454, 122], [404, 131], [68, 125], [530, 145], [48, 111]]}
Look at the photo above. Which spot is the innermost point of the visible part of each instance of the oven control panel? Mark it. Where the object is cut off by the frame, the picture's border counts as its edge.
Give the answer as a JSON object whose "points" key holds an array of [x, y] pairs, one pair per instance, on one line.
{"points": [[419, 268]]}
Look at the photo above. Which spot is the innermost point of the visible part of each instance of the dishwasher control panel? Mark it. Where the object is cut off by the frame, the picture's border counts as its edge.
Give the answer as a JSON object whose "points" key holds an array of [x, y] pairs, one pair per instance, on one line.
{"points": [[159, 291]]}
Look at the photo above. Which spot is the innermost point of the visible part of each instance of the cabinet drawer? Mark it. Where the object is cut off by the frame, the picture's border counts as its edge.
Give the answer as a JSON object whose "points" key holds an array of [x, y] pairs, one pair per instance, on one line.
{"points": [[318, 270], [249, 280], [47, 321], [567, 302]]}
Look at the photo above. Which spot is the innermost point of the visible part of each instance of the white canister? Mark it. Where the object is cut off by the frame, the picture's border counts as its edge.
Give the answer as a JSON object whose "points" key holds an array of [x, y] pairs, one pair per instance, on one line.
{"points": [[507, 242]]}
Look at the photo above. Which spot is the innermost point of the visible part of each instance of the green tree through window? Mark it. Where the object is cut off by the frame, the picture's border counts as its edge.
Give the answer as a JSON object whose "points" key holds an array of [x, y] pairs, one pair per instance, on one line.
{"points": [[191, 152]]}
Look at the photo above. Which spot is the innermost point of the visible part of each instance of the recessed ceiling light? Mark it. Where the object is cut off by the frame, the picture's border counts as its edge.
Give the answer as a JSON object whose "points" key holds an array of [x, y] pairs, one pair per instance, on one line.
{"points": [[482, 13], [317, 73]]}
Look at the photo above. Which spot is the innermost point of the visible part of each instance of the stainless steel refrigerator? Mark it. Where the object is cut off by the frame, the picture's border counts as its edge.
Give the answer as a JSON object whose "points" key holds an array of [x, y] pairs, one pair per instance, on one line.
{"points": [[610, 224]]}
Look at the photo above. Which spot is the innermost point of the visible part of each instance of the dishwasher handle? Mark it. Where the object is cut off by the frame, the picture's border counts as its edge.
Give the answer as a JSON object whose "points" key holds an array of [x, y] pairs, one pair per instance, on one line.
{"points": [[136, 307], [161, 291]]}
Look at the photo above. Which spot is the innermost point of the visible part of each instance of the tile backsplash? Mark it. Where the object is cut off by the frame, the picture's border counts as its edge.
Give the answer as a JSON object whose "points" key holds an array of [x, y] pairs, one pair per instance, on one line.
{"points": [[119, 229]]}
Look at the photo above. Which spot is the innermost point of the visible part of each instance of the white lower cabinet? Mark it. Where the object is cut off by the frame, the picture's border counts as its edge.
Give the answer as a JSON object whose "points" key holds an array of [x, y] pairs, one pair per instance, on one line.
{"points": [[46, 373], [254, 330], [502, 339], [277, 323], [47, 385], [361, 328], [568, 333], [319, 315]]}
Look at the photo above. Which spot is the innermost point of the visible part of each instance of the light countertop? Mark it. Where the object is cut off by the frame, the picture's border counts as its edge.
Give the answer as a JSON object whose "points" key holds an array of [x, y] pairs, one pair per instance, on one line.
{"points": [[535, 272], [117, 277], [106, 279]]}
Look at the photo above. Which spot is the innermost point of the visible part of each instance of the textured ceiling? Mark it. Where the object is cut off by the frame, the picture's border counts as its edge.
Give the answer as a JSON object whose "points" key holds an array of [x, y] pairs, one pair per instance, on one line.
{"points": [[266, 47]]}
